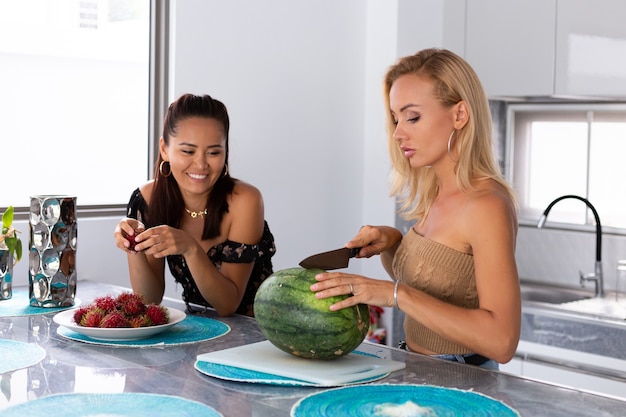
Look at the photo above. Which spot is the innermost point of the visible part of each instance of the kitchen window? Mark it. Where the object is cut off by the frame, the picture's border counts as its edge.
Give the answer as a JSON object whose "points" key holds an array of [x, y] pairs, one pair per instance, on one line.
{"points": [[560, 149], [76, 106]]}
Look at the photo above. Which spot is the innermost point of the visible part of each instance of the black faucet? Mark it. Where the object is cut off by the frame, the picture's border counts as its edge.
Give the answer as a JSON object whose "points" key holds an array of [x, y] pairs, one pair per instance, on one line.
{"points": [[597, 275]]}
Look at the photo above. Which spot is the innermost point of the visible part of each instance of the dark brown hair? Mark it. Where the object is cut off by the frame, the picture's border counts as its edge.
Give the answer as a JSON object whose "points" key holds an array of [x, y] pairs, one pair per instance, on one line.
{"points": [[166, 203]]}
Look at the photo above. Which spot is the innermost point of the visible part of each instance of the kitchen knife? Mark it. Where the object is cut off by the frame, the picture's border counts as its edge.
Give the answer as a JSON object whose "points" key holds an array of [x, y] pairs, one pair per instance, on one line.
{"points": [[333, 259]]}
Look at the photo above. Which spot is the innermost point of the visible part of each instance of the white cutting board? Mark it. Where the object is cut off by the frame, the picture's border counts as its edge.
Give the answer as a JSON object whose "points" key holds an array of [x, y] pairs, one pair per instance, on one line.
{"points": [[265, 357]]}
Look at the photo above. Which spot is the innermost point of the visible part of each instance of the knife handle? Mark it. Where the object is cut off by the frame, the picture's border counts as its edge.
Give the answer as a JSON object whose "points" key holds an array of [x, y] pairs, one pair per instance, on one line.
{"points": [[354, 252]]}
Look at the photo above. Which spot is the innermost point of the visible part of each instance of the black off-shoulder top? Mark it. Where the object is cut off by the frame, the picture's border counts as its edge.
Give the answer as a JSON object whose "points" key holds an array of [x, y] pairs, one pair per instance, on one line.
{"points": [[227, 251]]}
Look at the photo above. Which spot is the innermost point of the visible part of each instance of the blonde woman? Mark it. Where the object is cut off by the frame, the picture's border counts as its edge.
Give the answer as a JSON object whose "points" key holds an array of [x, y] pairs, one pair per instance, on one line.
{"points": [[454, 273]]}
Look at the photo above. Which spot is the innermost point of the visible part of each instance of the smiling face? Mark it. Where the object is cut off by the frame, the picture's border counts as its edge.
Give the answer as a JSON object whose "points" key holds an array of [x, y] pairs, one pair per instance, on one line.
{"points": [[423, 124], [196, 154]]}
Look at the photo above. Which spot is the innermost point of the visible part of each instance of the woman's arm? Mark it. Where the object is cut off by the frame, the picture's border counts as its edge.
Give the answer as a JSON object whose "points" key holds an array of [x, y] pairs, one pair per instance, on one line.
{"points": [[146, 273], [493, 329], [224, 289]]}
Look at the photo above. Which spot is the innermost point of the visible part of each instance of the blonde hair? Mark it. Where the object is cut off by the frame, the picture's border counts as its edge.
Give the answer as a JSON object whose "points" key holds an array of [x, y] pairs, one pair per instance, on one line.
{"points": [[454, 80]]}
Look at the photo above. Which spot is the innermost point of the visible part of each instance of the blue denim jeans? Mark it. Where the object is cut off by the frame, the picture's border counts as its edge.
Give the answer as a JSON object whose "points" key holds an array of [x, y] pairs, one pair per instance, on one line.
{"points": [[490, 364]]}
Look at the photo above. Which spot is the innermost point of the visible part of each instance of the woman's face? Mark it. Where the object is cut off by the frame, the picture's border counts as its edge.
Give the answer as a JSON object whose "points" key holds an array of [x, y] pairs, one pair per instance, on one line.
{"points": [[196, 154], [423, 125]]}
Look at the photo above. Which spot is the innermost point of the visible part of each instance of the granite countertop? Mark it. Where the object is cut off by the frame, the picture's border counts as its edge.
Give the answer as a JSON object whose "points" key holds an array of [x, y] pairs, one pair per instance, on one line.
{"points": [[71, 366]]}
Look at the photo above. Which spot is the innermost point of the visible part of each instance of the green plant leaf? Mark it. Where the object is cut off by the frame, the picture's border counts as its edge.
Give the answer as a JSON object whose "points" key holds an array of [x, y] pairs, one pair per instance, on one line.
{"points": [[18, 250], [7, 218], [14, 244], [11, 244]]}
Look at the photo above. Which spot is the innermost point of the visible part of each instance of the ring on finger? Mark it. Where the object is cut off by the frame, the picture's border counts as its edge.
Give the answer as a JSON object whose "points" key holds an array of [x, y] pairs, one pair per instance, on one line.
{"points": [[351, 290]]}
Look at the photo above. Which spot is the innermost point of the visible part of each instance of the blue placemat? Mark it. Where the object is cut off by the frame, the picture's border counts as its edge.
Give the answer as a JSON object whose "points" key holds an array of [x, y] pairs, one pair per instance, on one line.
{"points": [[16, 355], [19, 305], [399, 400], [233, 373], [119, 405], [192, 329]]}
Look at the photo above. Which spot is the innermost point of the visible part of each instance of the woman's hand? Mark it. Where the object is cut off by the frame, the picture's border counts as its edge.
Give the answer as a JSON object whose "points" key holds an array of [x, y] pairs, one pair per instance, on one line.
{"points": [[162, 241], [364, 290], [374, 240], [126, 233]]}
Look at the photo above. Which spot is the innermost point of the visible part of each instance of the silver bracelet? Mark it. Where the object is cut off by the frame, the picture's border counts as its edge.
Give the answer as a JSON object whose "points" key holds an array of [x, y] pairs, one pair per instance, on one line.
{"points": [[395, 295]]}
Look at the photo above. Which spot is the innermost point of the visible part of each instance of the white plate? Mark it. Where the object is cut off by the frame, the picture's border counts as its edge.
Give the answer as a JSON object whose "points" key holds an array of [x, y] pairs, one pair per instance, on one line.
{"points": [[66, 319]]}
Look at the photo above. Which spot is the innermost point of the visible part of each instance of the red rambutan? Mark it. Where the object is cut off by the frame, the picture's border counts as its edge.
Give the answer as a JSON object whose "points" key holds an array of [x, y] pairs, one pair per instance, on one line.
{"points": [[126, 310], [129, 295], [141, 320], [106, 303], [157, 314], [79, 313], [114, 319], [132, 307], [92, 318]]}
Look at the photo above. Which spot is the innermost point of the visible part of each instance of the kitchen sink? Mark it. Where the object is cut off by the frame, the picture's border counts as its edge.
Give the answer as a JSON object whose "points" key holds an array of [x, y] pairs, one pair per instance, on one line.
{"points": [[599, 307], [539, 293], [572, 301]]}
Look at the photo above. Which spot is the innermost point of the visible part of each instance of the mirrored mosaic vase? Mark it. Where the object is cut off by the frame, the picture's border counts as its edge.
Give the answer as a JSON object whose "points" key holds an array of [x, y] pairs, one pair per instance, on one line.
{"points": [[52, 251], [6, 272]]}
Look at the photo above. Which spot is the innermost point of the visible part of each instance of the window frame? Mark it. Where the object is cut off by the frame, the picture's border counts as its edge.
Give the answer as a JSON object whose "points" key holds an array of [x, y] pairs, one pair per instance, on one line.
{"points": [[514, 108]]}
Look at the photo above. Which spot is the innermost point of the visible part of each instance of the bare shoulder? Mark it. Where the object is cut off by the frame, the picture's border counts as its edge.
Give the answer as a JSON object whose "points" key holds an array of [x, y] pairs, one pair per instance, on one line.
{"points": [[245, 198], [246, 192], [490, 203], [246, 213]]}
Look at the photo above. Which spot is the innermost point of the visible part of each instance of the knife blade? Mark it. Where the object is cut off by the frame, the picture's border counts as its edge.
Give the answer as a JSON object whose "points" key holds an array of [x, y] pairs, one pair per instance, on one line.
{"points": [[333, 259]]}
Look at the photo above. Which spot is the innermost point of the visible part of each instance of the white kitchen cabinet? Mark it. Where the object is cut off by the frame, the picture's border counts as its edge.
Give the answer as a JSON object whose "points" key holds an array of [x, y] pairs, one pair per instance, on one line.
{"points": [[591, 48], [573, 378], [569, 368], [548, 48], [511, 45], [513, 367]]}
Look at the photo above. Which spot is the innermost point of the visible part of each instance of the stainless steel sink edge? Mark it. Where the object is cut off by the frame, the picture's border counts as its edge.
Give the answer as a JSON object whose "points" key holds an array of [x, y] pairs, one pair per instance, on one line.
{"points": [[563, 312]]}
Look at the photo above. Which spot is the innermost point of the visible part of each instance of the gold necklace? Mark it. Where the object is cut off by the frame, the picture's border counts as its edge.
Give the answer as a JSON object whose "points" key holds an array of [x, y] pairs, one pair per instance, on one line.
{"points": [[195, 214]]}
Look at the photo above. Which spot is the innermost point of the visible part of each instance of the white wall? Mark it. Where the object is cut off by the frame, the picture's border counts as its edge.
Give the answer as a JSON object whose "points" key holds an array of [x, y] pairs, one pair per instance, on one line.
{"points": [[292, 76]]}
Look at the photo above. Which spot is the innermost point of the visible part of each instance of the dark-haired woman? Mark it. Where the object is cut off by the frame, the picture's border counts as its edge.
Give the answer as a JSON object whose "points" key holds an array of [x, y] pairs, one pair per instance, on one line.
{"points": [[209, 226]]}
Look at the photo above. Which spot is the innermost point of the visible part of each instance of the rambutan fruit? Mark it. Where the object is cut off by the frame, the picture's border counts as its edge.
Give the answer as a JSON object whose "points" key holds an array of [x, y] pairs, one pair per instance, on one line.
{"points": [[129, 295], [114, 319], [79, 313], [106, 303], [132, 306], [128, 309], [92, 317], [157, 314], [141, 320]]}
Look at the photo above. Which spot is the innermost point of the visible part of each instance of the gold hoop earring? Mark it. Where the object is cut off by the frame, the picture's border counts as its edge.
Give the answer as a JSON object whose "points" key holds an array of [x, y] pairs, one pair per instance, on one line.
{"points": [[225, 170], [449, 141], [169, 171]]}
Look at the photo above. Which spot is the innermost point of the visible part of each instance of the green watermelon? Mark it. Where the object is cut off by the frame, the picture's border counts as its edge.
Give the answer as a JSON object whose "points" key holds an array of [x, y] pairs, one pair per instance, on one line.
{"points": [[293, 320]]}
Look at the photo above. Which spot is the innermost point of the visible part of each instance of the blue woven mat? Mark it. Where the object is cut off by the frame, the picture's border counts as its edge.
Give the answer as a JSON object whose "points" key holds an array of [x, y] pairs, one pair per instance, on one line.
{"points": [[16, 355], [192, 329], [394, 399], [120, 405], [19, 305]]}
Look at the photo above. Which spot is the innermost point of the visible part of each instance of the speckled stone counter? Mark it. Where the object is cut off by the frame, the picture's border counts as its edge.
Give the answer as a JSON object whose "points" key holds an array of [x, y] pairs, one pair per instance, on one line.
{"points": [[71, 366]]}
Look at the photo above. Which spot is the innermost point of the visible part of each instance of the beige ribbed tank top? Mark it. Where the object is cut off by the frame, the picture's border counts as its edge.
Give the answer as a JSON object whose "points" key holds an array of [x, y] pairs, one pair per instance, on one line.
{"points": [[440, 271]]}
